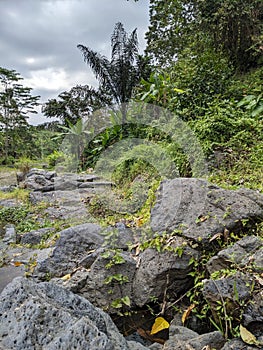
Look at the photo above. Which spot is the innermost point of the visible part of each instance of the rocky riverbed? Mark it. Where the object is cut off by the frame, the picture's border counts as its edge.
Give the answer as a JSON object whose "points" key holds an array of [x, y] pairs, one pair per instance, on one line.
{"points": [[198, 265]]}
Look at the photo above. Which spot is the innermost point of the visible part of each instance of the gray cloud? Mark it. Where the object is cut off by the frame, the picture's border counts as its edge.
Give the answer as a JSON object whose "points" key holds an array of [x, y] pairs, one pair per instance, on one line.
{"points": [[39, 38]]}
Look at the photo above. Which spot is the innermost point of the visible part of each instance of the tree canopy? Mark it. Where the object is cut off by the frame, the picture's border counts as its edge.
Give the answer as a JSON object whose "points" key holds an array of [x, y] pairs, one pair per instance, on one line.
{"points": [[16, 102], [231, 26], [123, 71], [77, 103]]}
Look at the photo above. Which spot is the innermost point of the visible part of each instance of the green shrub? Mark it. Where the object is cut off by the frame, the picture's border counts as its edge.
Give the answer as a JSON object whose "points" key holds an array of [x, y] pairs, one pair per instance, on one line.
{"points": [[55, 157]]}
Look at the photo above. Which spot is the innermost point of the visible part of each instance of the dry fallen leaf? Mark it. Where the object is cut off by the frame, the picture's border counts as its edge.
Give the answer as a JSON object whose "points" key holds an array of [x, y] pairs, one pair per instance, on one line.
{"points": [[259, 280], [226, 234], [248, 337], [215, 236], [147, 335], [159, 324], [17, 263], [187, 313], [139, 221], [66, 277]]}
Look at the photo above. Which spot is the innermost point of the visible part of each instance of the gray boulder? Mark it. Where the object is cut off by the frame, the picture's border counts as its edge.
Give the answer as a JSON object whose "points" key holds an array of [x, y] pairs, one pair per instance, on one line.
{"points": [[159, 271], [35, 237], [182, 338], [233, 291], [199, 210], [46, 316], [10, 203], [10, 234], [238, 344], [253, 312], [36, 179], [9, 188], [247, 251], [104, 285], [72, 246]]}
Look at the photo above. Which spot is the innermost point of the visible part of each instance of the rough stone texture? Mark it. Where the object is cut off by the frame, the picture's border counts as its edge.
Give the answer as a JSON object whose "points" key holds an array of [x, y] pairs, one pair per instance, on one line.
{"points": [[214, 339], [72, 246], [22, 255], [91, 283], [46, 316], [122, 236], [41, 172], [251, 194], [62, 204], [200, 210], [155, 346], [10, 234], [46, 181], [237, 344], [8, 273], [181, 338], [35, 237], [9, 188], [64, 184], [9, 203], [36, 182], [254, 310], [245, 252], [233, 290], [158, 271]]}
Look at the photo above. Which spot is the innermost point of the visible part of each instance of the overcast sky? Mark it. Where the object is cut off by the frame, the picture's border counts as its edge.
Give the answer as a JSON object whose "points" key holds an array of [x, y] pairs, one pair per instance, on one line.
{"points": [[39, 38]]}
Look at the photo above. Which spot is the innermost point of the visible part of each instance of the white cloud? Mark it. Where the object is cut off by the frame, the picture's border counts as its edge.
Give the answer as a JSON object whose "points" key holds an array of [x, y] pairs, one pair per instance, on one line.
{"points": [[39, 38], [48, 79]]}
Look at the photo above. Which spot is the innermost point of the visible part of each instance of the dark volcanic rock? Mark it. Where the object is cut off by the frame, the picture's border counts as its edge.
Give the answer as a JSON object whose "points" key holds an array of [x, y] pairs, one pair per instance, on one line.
{"points": [[72, 246], [35, 237], [247, 251], [254, 310], [10, 234], [46, 316], [232, 291], [200, 210], [158, 271], [237, 344], [181, 338], [99, 285]]}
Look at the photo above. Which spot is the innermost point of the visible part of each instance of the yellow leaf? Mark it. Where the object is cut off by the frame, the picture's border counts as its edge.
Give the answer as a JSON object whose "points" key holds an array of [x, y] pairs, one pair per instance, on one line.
{"points": [[248, 337], [17, 263], [159, 324], [187, 313], [66, 277], [139, 221]]}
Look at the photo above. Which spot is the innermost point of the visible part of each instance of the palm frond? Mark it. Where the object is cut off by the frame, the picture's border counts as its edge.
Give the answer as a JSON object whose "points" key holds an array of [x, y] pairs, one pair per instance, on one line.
{"points": [[100, 66], [120, 75], [118, 39], [131, 47]]}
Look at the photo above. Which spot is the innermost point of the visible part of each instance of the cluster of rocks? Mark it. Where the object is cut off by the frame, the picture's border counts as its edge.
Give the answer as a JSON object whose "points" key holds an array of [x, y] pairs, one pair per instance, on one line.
{"points": [[46, 181], [90, 268]]}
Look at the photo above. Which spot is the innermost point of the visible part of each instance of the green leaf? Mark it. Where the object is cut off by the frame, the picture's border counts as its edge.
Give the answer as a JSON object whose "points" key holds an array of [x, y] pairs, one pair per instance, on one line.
{"points": [[126, 300]]}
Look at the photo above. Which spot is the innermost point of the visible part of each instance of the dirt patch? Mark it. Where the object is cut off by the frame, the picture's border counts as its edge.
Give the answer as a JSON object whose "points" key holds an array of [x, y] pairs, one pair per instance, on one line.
{"points": [[7, 177]]}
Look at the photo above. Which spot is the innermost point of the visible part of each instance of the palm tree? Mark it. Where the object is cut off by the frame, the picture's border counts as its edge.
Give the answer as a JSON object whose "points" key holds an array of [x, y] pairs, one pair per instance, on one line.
{"points": [[123, 72], [76, 135]]}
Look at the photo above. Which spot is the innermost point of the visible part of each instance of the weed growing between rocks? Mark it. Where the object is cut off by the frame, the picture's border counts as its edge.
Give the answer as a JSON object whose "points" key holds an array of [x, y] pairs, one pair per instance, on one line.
{"points": [[193, 307], [99, 205]]}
